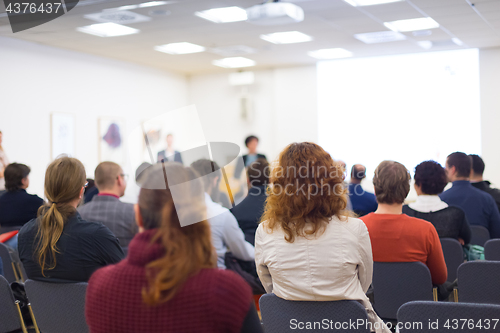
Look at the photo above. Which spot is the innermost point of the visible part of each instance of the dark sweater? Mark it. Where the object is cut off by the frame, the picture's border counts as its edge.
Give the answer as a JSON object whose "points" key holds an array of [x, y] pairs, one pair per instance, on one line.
{"points": [[249, 211], [449, 222], [18, 207], [485, 186]]}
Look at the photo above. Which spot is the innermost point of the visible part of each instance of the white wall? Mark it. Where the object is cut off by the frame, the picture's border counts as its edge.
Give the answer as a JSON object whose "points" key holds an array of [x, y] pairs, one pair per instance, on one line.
{"points": [[38, 80]]}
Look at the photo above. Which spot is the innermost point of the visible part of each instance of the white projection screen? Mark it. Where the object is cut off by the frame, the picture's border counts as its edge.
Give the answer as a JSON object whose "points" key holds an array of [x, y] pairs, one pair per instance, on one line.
{"points": [[408, 108]]}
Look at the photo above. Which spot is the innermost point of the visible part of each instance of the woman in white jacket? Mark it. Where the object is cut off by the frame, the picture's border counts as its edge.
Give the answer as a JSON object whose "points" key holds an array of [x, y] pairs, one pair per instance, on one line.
{"points": [[308, 248]]}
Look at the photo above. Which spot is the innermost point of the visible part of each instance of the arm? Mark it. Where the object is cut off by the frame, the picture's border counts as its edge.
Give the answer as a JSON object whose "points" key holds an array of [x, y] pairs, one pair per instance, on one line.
{"points": [[494, 223], [465, 232], [365, 268], [262, 270], [107, 245], [235, 239], [251, 323], [435, 258]]}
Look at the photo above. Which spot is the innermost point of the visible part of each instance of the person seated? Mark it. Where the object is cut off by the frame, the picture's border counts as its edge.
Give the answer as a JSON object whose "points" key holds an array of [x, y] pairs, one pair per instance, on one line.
{"points": [[307, 248], [90, 191], [225, 230], [476, 179], [362, 202], [251, 143], [249, 211], [106, 207], [449, 221], [60, 246], [17, 206], [397, 237], [169, 282], [479, 207]]}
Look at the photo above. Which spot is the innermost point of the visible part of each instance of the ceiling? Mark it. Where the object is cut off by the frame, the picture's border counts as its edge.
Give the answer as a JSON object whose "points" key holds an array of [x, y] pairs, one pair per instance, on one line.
{"points": [[332, 23]]}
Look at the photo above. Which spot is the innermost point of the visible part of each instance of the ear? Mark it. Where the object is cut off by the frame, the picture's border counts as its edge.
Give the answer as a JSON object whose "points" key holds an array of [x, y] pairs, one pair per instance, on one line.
{"points": [[25, 181], [82, 191], [138, 218]]}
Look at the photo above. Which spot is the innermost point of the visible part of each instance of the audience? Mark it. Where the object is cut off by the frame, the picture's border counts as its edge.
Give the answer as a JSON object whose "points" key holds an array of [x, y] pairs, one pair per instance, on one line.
{"points": [[249, 211], [476, 179], [362, 202], [449, 221], [17, 206], [90, 191], [479, 207], [169, 154], [106, 207], [4, 161], [307, 248], [396, 237], [60, 246], [251, 143], [225, 230], [169, 281]]}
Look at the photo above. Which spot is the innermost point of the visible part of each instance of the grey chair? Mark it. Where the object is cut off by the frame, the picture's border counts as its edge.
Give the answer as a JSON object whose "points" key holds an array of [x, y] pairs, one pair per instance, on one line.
{"points": [[58, 307], [9, 266], [480, 235], [10, 313], [282, 316], [453, 256], [396, 283], [478, 282], [448, 317], [492, 250]]}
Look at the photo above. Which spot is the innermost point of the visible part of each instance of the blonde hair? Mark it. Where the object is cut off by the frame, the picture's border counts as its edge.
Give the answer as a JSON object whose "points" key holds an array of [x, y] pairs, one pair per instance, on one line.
{"points": [[64, 180]]}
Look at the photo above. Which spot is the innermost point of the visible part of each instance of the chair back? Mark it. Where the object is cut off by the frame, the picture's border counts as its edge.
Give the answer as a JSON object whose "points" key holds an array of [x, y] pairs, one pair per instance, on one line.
{"points": [[3, 230], [478, 282], [8, 269], [480, 235], [447, 317], [453, 256], [58, 307], [396, 283], [492, 250], [11, 319], [282, 316]]}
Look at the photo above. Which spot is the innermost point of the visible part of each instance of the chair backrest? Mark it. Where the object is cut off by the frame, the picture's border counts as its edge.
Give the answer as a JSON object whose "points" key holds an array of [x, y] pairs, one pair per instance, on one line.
{"points": [[480, 235], [396, 283], [8, 229], [8, 270], [453, 256], [492, 250], [58, 307], [282, 316], [478, 282], [10, 317], [448, 317]]}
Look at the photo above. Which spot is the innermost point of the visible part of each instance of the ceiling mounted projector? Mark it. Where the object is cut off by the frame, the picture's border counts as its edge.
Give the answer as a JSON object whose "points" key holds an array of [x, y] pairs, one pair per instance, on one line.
{"points": [[275, 13]]}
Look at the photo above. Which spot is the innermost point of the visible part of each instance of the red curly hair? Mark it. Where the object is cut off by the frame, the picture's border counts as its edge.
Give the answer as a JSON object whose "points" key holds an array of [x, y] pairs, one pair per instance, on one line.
{"points": [[307, 188]]}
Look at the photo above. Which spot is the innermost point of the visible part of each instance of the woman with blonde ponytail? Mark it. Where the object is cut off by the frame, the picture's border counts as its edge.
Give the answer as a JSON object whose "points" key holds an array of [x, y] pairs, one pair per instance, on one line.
{"points": [[59, 245]]}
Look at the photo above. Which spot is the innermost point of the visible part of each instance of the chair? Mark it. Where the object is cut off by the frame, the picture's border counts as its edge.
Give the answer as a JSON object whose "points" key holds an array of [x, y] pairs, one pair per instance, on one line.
{"points": [[453, 256], [395, 283], [492, 250], [282, 316], [479, 235], [447, 317], [58, 307], [478, 282], [10, 313], [9, 266]]}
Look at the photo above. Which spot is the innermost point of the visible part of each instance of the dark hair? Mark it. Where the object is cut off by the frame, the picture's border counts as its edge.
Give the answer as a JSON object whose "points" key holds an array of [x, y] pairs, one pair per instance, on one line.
{"points": [[357, 172], [258, 172], [477, 164], [14, 175], [462, 163], [208, 170], [391, 182], [431, 177], [250, 138]]}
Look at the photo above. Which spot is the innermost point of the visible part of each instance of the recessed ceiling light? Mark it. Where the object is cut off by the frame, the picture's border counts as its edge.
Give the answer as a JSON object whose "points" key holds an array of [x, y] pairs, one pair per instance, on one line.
{"points": [[288, 37], [380, 37], [223, 15], [127, 7], [422, 23], [234, 62], [335, 53], [425, 44], [357, 3], [180, 48], [107, 30], [152, 4], [457, 41]]}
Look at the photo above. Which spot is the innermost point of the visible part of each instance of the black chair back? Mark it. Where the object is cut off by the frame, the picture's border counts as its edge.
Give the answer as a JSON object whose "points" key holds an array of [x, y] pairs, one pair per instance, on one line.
{"points": [[453, 256], [492, 250], [480, 235], [478, 282]]}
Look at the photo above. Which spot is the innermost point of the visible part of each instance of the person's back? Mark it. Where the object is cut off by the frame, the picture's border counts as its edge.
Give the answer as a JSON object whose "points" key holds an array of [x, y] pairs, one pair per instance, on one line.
{"points": [[362, 202], [476, 179]]}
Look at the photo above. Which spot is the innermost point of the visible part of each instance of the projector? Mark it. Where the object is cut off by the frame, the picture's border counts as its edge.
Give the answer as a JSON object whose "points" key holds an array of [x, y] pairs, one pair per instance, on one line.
{"points": [[275, 13]]}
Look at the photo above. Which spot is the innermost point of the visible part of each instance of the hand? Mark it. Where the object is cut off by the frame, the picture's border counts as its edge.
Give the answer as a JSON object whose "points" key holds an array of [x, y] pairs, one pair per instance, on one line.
{"points": [[461, 241]]}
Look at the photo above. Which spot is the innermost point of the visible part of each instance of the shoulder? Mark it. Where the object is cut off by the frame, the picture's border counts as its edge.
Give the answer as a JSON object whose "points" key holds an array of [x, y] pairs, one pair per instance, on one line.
{"points": [[35, 198], [418, 223], [454, 210], [230, 285], [27, 228], [407, 208], [354, 225]]}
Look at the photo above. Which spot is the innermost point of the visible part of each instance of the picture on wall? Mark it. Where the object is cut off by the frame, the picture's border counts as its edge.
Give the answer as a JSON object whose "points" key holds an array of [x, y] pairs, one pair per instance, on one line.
{"points": [[62, 134], [111, 133]]}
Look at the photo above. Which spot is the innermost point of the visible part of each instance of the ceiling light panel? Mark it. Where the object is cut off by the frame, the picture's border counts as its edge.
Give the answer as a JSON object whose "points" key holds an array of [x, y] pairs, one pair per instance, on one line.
{"points": [[358, 3], [107, 30], [380, 37], [288, 37], [234, 62], [422, 23], [180, 48], [223, 15]]}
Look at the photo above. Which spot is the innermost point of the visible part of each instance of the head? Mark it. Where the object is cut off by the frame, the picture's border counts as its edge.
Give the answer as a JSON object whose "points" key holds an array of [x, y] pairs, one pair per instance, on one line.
{"points": [[109, 178], [211, 175], [258, 173], [430, 178], [251, 143], [16, 177], [186, 249], [458, 166], [64, 186], [170, 140], [307, 186], [358, 173], [391, 182], [477, 167]]}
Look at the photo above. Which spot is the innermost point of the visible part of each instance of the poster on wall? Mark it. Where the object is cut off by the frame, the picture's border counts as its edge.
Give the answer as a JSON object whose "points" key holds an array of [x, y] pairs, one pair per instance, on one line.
{"points": [[112, 140], [62, 134]]}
